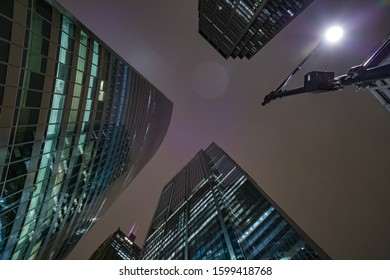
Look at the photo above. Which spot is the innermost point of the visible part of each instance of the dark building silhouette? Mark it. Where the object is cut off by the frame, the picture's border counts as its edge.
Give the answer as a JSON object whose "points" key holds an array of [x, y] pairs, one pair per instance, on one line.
{"points": [[118, 246], [213, 210], [77, 124], [242, 28]]}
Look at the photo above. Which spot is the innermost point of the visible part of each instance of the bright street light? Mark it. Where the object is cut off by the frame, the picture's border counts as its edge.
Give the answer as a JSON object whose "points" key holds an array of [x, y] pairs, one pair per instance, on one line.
{"points": [[334, 34], [364, 75]]}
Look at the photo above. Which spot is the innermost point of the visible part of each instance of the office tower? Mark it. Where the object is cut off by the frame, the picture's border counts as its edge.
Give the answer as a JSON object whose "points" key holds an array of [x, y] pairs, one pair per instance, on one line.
{"points": [[242, 28], [77, 124], [118, 246], [213, 210]]}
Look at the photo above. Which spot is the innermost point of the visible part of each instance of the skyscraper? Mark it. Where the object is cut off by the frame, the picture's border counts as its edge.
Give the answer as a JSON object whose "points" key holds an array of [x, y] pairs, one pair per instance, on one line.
{"points": [[118, 246], [213, 210], [242, 28], [77, 124]]}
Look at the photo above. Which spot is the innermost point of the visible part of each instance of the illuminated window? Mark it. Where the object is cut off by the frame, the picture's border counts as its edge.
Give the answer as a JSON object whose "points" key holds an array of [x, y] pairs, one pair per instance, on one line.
{"points": [[101, 91]]}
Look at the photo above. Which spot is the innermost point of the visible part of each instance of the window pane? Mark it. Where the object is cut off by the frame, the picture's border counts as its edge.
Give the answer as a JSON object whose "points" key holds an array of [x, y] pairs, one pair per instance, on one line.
{"points": [[28, 116], [33, 99], [16, 170], [43, 64], [46, 29], [5, 28], [45, 47], [23, 151], [36, 81], [62, 72], [43, 9], [25, 134], [26, 38], [3, 72], [1, 95], [4, 47], [7, 7]]}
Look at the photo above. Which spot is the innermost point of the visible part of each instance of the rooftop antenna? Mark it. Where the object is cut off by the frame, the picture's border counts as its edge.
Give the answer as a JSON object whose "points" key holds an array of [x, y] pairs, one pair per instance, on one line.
{"points": [[131, 230]]}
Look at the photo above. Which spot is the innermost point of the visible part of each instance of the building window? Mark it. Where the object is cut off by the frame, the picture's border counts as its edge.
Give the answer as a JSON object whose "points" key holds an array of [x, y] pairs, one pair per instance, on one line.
{"points": [[6, 27], [7, 8], [33, 99], [28, 116], [1, 96], [43, 9], [46, 29], [36, 81], [3, 73], [4, 47]]}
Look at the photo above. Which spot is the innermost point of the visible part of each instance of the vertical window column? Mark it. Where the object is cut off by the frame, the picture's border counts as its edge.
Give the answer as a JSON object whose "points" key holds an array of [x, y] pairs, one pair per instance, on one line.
{"points": [[47, 159]]}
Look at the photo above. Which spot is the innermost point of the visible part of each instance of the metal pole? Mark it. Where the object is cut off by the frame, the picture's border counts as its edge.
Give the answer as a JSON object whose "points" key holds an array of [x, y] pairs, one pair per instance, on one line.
{"points": [[281, 87], [365, 76]]}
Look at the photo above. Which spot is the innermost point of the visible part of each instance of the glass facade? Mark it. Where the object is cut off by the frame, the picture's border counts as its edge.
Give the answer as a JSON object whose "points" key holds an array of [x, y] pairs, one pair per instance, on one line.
{"points": [[118, 246], [241, 28], [212, 210], [77, 123]]}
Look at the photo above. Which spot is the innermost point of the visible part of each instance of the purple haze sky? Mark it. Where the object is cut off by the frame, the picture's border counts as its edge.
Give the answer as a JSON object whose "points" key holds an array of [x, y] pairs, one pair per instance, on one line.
{"points": [[325, 159]]}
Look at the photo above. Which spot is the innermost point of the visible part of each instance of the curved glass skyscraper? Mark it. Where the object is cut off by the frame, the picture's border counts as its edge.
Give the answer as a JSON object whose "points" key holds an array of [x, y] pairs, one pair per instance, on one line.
{"points": [[77, 123]]}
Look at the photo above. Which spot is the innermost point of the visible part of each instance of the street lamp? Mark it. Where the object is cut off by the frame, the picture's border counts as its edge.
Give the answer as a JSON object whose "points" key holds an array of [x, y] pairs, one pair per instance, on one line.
{"points": [[332, 35], [364, 75]]}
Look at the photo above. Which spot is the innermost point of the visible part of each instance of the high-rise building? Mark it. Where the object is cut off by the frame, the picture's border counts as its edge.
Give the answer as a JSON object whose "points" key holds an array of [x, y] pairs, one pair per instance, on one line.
{"points": [[213, 210], [242, 28], [118, 246], [77, 123]]}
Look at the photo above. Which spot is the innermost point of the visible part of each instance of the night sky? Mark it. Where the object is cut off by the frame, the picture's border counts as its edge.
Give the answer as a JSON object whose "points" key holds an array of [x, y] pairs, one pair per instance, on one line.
{"points": [[325, 159]]}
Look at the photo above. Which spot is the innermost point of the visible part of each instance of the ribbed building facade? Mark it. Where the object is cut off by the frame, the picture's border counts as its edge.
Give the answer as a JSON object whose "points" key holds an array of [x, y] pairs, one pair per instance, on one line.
{"points": [[241, 28], [77, 123], [118, 246], [213, 210]]}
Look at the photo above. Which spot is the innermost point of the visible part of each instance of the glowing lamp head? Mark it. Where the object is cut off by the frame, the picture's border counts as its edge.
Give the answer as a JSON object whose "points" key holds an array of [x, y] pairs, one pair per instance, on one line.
{"points": [[334, 34]]}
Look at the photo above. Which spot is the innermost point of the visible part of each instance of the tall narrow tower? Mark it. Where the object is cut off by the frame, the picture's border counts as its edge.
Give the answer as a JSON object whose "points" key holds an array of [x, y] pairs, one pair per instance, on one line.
{"points": [[213, 210]]}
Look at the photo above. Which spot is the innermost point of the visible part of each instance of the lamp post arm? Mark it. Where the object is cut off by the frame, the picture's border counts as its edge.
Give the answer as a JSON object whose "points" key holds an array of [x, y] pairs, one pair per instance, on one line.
{"points": [[274, 95], [361, 76], [284, 83], [357, 75]]}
